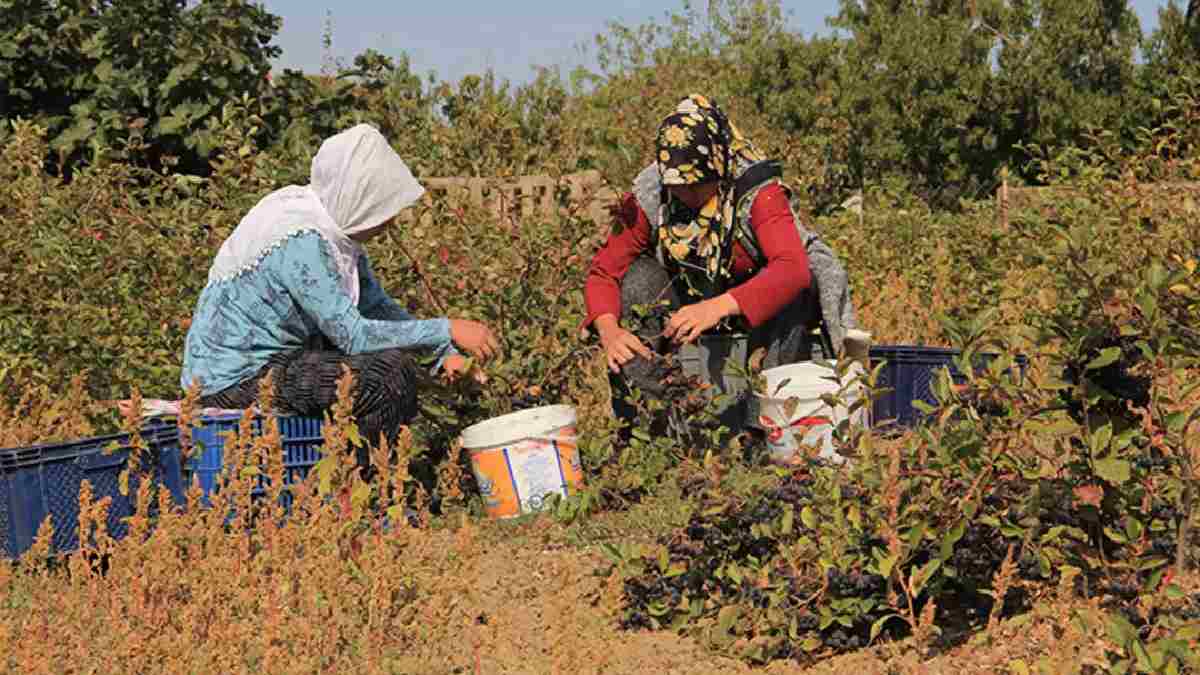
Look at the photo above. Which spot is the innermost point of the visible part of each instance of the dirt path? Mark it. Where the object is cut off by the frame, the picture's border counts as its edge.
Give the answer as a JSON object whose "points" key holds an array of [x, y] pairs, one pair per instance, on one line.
{"points": [[544, 610], [538, 608]]}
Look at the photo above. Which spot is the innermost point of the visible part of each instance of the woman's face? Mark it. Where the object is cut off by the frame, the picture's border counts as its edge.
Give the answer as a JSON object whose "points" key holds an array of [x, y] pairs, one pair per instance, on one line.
{"points": [[695, 196]]}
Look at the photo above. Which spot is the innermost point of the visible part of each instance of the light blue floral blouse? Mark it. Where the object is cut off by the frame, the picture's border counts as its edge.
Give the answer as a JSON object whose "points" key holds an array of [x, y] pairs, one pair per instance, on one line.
{"points": [[291, 297]]}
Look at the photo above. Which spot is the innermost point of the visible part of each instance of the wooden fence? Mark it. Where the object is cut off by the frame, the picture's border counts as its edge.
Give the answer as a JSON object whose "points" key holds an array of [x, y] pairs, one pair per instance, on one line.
{"points": [[519, 197], [588, 194], [1012, 198]]}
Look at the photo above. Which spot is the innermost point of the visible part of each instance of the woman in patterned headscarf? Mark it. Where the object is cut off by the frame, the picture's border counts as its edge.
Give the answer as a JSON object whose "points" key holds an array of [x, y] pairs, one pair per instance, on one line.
{"points": [[709, 229]]}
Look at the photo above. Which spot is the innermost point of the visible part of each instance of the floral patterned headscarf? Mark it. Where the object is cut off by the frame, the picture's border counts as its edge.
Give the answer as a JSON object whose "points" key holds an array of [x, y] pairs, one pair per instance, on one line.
{"points": [[698, 144]]}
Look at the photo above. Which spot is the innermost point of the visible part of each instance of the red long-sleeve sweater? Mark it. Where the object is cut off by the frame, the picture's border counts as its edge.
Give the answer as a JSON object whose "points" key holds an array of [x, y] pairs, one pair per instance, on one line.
{"points": [[760, 294]]}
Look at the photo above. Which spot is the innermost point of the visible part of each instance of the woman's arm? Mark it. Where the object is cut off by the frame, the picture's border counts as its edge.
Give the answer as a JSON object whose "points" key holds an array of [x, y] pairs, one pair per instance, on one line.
{"points": [[786, 273], [306, 270], [602, 290], [375, 303]]}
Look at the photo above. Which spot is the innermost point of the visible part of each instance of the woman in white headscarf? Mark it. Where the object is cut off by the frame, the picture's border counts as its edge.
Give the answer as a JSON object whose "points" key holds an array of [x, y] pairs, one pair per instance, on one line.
{"points": [[291, 291]]}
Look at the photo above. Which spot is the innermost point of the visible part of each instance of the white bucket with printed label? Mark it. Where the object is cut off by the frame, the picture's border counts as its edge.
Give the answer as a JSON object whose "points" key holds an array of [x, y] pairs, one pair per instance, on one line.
{"points": [[523, 458], [795, 417]]}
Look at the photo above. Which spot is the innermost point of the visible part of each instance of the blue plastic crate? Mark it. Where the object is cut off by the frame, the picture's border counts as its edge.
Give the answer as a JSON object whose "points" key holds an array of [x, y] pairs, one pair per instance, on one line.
{"points": [[45, 480], [910, 372], [301, 450]]}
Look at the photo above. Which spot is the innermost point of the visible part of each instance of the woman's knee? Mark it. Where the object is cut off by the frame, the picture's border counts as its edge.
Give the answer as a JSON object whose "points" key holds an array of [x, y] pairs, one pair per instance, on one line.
{"points": [[389, 379], [645, 281]]}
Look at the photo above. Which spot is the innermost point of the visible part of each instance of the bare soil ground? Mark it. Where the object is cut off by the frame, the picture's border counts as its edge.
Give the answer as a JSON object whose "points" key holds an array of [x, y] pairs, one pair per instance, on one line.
{"points": [[527, 600]]}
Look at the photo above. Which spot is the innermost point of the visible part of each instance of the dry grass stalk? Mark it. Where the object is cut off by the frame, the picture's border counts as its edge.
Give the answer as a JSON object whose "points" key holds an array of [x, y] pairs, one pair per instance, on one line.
{"points": [[1004, 578]]}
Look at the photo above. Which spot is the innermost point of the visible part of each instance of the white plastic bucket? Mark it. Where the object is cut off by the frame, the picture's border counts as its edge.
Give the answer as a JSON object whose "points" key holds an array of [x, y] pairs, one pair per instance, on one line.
{"points": [[811, 421], [521, 458]]}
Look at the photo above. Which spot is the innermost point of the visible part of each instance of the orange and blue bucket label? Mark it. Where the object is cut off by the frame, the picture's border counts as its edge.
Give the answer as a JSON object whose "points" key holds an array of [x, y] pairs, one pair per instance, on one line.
{"points": [[518, 477]]}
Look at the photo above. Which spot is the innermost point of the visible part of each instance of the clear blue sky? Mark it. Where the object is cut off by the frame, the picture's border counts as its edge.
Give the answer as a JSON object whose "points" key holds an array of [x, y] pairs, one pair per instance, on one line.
{"points": [[458, 37]]}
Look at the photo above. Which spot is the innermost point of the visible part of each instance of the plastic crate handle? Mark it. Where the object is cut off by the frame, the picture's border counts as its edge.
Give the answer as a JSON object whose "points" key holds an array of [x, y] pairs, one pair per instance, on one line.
{"points": [[19, 459], [98, 461]]}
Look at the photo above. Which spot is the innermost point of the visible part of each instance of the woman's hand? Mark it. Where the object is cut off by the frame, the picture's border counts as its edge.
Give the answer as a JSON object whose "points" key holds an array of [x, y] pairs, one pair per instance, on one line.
{"points": [[474, 338], [620, 346], [456, 365], [689, 322]]}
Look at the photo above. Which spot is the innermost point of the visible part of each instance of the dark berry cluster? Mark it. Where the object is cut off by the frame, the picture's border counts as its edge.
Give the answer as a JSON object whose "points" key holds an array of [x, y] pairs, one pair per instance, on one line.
{"points": [[1117, 378], [709, 542], [854, 583], [686, 393]]}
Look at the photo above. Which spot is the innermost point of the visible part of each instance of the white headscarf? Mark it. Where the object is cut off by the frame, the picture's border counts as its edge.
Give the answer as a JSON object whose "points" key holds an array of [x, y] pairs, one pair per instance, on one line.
{"points": [[358, 182]]}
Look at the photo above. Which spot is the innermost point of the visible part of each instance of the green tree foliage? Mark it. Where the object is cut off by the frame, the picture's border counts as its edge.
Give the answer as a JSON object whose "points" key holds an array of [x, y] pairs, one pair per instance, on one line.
{"points": [[92, 71], [935, 96]]}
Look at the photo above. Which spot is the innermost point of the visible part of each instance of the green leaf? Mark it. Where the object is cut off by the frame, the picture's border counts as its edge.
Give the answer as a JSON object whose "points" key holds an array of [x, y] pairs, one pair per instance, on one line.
{"points": [[789, 518], [922, 577], [1116, 535], [395, 513], [879, 623], [325, 470], [1120, 630], [612, 552], [1152, 563], [916, 534], [1177, 647], [1101, 439], [1107, 357], [727, 617], [1188, 633], [1148, 303], [951, 538], [1176, 421], [1018, 667], [360, 495], [854, 515], [1143, 658], [885, 566], [1157, 275], [808, 518], [1115, 471], [104, 70], [1133, 528], [1124, 439], [827, 618], [353, 436], [734, 573], [1154, 581]]}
